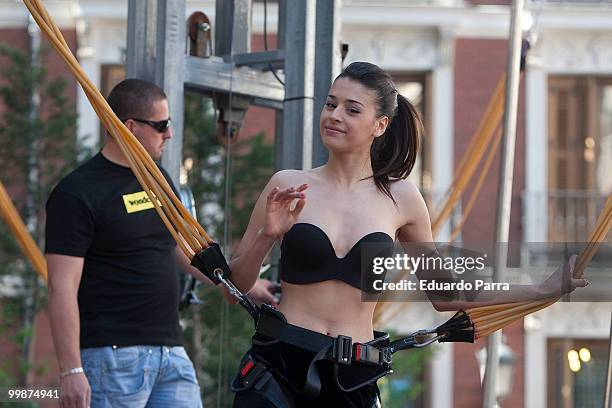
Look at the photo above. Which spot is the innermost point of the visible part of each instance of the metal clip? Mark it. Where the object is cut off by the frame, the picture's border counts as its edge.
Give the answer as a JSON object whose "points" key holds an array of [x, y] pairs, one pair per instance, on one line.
{"points": [[343, 350]]}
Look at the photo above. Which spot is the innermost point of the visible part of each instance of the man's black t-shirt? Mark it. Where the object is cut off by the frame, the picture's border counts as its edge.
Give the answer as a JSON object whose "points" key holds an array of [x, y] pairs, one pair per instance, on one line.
{"points": [[129, 289]]}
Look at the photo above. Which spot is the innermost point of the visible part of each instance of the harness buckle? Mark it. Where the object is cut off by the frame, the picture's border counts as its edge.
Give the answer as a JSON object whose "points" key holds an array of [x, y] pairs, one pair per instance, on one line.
{"points": [[251, 372], [386, 356], [366, 354], [343, 351]]}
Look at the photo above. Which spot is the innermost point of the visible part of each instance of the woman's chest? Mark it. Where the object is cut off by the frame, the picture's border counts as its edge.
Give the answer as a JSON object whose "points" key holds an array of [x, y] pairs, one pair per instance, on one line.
{"points": [[347, 217]]}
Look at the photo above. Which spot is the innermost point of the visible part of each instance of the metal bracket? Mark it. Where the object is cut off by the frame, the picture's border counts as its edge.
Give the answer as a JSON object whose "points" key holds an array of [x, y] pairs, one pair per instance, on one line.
{"points": [[199, 32]]}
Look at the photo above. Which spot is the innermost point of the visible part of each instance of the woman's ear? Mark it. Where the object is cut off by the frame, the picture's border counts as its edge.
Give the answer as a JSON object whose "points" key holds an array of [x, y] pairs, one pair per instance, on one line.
{"points": [[381, 126]]}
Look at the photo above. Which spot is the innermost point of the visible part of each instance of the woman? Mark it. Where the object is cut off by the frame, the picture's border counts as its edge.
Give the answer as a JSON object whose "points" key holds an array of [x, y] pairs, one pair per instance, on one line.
{"points": [[322, 217]]}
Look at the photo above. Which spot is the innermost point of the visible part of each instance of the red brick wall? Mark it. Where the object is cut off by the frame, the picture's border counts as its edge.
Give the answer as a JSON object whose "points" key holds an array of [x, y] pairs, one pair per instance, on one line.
{"points": [[18, 38], [516, 341], [467, 390], [58, 68], [478, 66], [259, 119], [14, 37], [42, 351]]}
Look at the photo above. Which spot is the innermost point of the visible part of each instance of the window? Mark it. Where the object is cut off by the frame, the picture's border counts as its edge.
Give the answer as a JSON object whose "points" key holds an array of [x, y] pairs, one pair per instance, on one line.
{"points": [[576, 373], [579, 155], [414, 87], [111, 75]]}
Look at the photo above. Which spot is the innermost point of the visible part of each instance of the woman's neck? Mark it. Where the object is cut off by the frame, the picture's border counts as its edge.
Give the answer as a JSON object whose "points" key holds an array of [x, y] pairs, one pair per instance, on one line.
{"points": [[347, 170]]}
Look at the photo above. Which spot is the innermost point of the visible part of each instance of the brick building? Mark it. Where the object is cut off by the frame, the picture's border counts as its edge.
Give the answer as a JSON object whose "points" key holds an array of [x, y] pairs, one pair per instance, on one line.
{"points": [[447, 56]]}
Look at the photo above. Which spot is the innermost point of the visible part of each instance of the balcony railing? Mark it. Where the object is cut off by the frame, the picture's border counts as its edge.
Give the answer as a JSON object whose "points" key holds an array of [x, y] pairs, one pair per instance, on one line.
{"points": [[430, 3], [565, 4], [570, 214]]}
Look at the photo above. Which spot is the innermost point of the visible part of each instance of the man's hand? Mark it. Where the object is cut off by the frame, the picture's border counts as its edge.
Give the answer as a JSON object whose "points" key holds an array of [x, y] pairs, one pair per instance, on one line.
{"points": [[76, 392], [263, 292], [64, 278]]}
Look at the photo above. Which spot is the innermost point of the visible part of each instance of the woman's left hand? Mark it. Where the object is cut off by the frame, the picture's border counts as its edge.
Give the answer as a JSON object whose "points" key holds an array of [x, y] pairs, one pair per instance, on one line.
{"points": [[280, 216], [562, 280]]}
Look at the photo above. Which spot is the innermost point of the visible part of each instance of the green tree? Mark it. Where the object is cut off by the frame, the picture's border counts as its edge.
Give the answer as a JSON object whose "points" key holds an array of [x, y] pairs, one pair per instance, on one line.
{"points": [[405, 386], [38, 147], [218, 334]]}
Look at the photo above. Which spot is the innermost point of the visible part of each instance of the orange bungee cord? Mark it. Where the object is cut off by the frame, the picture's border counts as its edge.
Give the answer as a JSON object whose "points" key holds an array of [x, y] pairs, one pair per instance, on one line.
{"points": [[192, 239], [19, 230]]}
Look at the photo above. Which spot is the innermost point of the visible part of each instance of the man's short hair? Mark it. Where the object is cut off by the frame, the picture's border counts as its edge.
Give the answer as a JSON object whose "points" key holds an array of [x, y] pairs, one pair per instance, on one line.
{"points": [[133, 98]]}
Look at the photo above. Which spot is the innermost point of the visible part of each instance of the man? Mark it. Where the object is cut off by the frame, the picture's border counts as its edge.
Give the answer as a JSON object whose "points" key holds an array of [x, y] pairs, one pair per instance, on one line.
{"points": [[113, 284]]}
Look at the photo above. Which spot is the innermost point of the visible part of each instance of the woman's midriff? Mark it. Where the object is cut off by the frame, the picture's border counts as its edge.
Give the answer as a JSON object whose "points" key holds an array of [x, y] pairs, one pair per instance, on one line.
{"points": [[330, 307]]}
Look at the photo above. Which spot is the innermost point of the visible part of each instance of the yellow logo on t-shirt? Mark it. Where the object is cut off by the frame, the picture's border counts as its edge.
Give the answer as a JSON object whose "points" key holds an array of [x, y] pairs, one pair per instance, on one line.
{"points": [[137, 202]]}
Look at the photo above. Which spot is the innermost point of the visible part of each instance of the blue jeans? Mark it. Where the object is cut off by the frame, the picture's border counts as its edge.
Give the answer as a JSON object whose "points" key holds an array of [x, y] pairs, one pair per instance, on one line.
{"points": [[141, 376]]}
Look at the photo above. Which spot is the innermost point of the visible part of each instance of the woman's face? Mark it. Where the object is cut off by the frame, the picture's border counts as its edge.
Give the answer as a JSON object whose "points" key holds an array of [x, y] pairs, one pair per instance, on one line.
{"points": [[348, 119]]}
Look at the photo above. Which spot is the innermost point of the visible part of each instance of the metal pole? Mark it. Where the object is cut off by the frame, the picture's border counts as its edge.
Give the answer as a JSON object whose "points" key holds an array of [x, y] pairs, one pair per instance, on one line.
{"points": [[141, 40], [608, 398], [502, 225], [156, 53], [232, 27], [170, 74], [298, 44], [224, 24], [327, 66]]}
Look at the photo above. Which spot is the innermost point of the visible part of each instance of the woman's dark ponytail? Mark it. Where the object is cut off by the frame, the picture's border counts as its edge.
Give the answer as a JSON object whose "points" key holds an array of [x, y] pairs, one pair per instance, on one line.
{"points": [[393, 154]]}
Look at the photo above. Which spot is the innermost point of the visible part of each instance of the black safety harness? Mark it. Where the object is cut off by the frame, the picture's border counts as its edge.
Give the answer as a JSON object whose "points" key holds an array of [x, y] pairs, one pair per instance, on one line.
{"points": [[341, 351]]}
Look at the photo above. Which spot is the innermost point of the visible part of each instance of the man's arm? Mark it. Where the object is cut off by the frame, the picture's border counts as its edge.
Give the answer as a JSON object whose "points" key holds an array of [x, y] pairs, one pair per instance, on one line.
{"points": [[64, 277], [262, 292], [185, 264]]}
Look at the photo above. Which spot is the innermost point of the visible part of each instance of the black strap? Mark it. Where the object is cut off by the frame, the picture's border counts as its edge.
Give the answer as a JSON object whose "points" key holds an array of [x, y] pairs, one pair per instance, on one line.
{"points": [[270, 389], [340, 350], [259, 378], [273, 324], [211, 262], [458, 328], [312, 386]]}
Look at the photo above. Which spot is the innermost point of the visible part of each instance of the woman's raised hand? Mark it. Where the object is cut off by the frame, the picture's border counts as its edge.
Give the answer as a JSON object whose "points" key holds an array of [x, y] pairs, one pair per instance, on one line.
{"points": [[280, 212], [562, 280]]}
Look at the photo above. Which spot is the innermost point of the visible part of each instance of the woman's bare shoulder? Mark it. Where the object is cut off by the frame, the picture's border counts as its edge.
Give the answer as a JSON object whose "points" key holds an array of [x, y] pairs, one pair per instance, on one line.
{"points": [[288, 178], [409, 199], [405, 191]]}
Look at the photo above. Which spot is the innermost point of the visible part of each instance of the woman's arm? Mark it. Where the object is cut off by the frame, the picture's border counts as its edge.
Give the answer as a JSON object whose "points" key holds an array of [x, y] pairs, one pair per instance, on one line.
{"points": [[417, 231], [273, 215]]}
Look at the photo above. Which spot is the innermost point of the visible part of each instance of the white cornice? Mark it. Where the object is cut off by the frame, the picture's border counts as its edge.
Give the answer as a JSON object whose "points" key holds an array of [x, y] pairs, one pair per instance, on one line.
{"points": [[107, 9], [585, 52], [118, 8], [13, 13], [481, 22], [463, 20], [579, 19]]}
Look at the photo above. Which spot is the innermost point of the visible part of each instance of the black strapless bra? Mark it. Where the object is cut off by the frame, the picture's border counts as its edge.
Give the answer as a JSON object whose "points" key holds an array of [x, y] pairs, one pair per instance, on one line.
{"points": [[307, 256]]}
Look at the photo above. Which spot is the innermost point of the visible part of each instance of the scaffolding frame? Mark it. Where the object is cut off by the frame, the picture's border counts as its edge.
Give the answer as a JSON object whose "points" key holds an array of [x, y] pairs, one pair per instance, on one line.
{"points": [[308, 53]]}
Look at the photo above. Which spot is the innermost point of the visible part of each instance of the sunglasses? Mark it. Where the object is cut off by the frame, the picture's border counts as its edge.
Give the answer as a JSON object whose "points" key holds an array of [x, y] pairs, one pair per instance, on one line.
{"points": [[161, 125]]}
